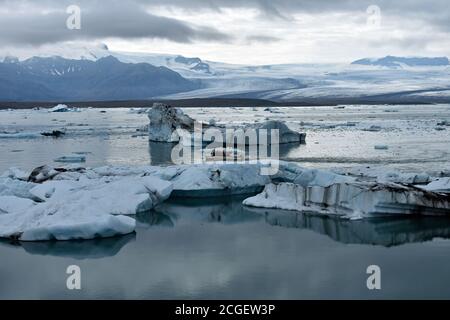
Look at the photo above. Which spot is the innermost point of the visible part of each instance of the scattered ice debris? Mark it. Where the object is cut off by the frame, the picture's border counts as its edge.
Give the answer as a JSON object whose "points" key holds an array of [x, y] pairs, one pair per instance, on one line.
{"points": [[381, 147], [138, 110], [373, 128], [71, 159], [53, 133]]}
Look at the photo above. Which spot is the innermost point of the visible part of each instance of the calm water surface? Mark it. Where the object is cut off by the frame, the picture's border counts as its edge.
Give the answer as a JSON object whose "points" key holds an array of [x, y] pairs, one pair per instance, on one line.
{"points": [[218, 249]]}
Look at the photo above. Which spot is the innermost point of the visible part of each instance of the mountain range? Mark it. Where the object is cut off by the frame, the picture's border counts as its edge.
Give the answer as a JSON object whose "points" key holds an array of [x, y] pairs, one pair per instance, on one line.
{"points": [[94, 74], [57, 78]]}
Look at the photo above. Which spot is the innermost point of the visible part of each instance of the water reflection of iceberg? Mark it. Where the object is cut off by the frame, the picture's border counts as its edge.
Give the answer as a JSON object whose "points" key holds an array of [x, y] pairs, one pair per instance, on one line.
{"points": [[153, 218], [82, 249], [389, 231], [224, 210], [161, 152]]}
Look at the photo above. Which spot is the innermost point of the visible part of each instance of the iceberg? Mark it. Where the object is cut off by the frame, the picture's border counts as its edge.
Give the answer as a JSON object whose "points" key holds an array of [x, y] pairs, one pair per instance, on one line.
{"points": [[354, 200], [165, 120], [206, 180], [63, 108], [80, 209]]}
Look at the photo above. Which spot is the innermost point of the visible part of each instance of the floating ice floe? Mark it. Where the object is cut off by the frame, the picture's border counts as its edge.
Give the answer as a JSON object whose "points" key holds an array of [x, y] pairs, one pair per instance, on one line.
{"points": [[218, 180], [165, 120], [63, 108], [19, 135], [328, 193], [80, 209], [83, 203], [71, 159]]}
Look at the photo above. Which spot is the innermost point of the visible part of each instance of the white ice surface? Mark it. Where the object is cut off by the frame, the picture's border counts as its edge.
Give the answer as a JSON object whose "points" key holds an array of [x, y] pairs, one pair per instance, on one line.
{"points": [[80, 209], [88, 203]]}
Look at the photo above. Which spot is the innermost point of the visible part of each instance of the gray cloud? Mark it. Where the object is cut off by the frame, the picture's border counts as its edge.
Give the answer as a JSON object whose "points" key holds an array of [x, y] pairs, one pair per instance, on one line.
{"points": [[115, 20], [263, 39], [132, 19]]}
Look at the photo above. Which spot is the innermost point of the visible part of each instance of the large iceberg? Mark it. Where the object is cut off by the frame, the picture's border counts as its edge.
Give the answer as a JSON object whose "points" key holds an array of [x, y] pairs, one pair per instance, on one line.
{"points": [[166, 120], [301, 189]]}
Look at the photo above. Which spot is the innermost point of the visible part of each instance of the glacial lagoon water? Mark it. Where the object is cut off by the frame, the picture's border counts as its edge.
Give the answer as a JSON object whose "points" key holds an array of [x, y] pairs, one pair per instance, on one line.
{"points": [[220, 249]]}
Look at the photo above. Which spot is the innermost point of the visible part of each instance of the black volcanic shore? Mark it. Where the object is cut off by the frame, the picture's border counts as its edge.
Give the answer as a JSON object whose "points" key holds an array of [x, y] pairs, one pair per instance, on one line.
{"points": [[220, 102]]}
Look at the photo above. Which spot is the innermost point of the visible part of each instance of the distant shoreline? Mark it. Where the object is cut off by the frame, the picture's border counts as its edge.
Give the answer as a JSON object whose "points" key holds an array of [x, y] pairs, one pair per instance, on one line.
{"points": [[220, 102]]}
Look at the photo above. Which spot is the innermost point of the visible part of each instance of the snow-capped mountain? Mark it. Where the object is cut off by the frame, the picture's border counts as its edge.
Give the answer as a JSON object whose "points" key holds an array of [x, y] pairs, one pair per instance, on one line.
{"points": [[399, 62], [76, 73], [107, 78]]}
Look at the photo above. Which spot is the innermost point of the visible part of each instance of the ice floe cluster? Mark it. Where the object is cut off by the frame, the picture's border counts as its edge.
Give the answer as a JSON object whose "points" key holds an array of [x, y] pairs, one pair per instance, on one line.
{"points": [[84, 203]]}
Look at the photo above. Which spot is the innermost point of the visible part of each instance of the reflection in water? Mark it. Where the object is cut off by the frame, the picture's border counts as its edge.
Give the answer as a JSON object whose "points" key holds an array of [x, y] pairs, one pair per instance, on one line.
{"points": [[81, 249], [226, 210], [386, 231], [391, 231], [152, 218], [161, 152]]}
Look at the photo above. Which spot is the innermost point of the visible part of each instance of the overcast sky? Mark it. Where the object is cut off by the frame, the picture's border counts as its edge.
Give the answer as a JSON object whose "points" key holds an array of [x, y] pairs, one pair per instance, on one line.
{"points": [[237, 31]]}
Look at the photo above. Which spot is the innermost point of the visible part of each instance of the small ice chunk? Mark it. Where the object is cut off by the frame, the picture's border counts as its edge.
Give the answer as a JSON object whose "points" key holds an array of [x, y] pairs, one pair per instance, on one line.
{"points": [[71, 159], [60, 108]]}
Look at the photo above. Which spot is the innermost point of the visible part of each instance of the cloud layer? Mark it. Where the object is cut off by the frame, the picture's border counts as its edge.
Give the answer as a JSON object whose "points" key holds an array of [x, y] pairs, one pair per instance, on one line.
{"points": [[278, 30]]}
